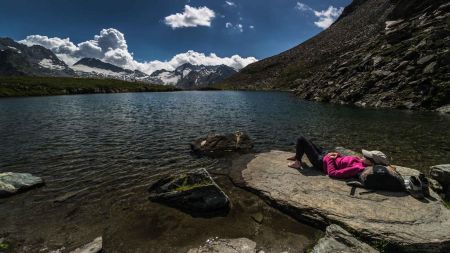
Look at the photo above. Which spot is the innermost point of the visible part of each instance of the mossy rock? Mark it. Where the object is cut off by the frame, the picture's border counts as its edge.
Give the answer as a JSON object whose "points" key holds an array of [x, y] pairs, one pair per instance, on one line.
{"points": [[193, 192]]}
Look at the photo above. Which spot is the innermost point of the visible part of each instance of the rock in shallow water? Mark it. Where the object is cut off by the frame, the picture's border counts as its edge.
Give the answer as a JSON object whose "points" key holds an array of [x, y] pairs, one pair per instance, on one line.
{"points": [[240, 245], [394, 218], [222, 144], [442, 174], [444, 109], [95, 246], [12, 183], [194, 192], [338, 240]]}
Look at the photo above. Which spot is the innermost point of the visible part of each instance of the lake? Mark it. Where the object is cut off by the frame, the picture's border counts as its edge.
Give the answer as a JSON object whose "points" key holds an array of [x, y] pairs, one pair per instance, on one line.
{"points": [[99, 153]]}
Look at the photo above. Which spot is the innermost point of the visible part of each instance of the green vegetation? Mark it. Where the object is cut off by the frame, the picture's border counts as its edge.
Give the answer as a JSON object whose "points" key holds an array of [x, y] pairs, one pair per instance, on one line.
{"points": [[4, 246], [186, 184], [447, 203], [382, 246], [43, 86], [190, 187]]}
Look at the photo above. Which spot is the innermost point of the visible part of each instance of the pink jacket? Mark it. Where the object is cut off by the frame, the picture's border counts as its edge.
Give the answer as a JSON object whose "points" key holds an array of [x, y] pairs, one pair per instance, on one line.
{"points": [[343, 166]]}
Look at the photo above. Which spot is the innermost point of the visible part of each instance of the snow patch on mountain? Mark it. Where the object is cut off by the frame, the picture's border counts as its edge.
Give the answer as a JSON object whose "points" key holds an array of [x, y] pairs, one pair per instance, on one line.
{"points": [[97, 71], [169, 78], [49, 64]]}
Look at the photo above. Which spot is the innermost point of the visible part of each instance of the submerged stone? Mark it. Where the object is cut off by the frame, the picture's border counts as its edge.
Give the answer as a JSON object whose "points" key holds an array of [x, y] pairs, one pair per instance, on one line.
{"points": [[394, 218], [240, 245], [338, 240], [444, 109], [4, 245], [12, 183], [222, 144], [194, 192], [95, 246]]}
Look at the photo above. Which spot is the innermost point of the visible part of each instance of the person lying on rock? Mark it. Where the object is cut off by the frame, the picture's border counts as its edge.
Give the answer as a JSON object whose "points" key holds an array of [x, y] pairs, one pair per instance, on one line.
{"points": [[334, 164]]}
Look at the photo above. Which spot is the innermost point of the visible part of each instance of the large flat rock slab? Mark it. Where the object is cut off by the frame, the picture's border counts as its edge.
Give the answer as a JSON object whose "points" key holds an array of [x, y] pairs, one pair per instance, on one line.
{"points": [[398, 219]]}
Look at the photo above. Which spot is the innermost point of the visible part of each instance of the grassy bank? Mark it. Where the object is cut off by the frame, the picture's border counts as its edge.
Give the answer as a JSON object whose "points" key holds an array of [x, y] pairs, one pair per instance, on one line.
{"points": [[43, 86]]}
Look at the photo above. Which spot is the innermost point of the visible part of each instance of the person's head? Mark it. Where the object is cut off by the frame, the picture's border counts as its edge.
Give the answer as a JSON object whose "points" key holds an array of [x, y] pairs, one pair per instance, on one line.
{"points": [[371, 158], [368, 162]]}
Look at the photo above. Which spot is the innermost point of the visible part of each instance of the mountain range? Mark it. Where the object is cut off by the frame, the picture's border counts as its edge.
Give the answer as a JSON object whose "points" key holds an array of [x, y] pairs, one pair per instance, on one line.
{"points": [[378, 53], [21, 60], [190, 76]]}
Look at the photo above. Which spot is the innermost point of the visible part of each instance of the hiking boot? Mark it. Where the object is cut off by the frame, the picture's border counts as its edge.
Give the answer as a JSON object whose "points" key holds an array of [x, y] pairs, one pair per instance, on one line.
{"points": [[414, 187], [425, 185]]}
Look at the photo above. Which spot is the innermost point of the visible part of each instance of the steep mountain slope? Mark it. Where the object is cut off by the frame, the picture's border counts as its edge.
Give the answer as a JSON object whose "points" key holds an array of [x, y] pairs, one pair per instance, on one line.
{"points": [[21, 60], [379, 53], [188, 76]]}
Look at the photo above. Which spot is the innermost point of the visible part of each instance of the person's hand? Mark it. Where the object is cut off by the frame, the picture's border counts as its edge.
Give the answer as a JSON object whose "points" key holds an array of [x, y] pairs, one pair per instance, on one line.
{"points": [[333, 155]]}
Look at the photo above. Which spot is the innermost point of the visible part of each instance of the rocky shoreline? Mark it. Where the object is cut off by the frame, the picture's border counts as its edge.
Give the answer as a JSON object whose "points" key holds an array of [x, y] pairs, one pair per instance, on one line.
{"points": [[354, 219]]}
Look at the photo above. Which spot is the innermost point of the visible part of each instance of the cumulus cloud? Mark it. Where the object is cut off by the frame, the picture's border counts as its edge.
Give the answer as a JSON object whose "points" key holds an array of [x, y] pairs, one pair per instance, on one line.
{"points": [[237, 62], [326, 17], [191, 17], [111, 46]]}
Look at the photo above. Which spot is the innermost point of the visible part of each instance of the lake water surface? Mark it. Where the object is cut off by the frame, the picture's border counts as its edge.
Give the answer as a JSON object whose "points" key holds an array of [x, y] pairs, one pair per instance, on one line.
{"points": [[99, 154]]}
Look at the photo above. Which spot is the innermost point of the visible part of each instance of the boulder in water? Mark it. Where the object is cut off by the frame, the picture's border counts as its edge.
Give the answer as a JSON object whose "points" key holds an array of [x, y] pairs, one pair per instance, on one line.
{"points": [[393, 218], [194, 192], [222, 144], [12, 183], [338, 240], [442, 174]]}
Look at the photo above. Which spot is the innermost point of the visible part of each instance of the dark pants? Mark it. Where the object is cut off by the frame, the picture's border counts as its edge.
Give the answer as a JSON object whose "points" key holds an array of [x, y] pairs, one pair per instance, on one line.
{"points": [[313, 152]]}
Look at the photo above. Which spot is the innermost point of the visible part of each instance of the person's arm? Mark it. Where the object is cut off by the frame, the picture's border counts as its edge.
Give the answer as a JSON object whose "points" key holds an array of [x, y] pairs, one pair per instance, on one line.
{"points": [[348, 172], [330, 164], [333, 155]]}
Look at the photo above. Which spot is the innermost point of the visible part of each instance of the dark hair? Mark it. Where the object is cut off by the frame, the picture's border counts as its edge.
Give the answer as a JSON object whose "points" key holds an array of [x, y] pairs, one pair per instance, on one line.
{"points": [[370, 159]]}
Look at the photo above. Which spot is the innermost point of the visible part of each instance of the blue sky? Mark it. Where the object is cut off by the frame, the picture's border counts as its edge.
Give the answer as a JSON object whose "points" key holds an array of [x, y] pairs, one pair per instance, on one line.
{"points": [[152, 30]]}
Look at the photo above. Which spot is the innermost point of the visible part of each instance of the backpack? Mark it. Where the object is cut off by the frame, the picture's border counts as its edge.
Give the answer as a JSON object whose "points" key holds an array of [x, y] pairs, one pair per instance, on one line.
{"points": [[382, 178]]}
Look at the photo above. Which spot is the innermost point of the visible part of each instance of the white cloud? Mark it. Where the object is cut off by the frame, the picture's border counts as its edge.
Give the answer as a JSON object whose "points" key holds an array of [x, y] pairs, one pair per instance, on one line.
{"points": [[237, 62], [252, 27], [302, 7], [326, 17], [238, 27], [111, 46], [191, 17], [229, 3]]}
